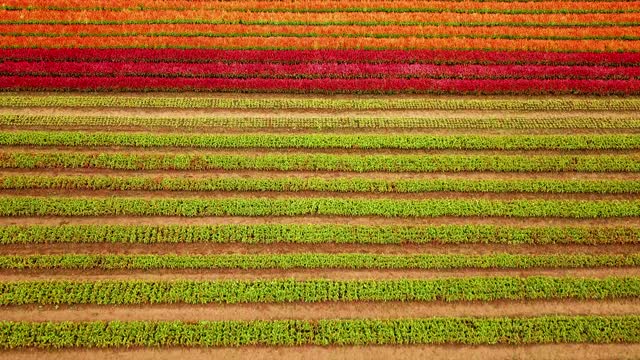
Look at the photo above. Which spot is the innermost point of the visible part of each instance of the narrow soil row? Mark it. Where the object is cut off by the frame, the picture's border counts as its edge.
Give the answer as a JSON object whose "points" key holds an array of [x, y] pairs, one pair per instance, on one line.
{"points": [[163, 194], [269, 174], [333, 274], [346, 220], [255, 152], [329, 248], [453, 352], [318, 311]]}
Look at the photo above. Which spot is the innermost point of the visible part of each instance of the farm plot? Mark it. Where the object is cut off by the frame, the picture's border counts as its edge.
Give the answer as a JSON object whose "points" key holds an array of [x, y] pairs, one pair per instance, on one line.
{"points": [[319, 179], [346, 226]]}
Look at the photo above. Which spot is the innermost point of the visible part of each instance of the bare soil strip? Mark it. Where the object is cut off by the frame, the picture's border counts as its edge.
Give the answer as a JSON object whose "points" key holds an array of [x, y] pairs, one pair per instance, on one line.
{"points": [[330, 248], [364, 220], [163, 194], [318, 311], [333, 274], [468, 175], [453, 352]]}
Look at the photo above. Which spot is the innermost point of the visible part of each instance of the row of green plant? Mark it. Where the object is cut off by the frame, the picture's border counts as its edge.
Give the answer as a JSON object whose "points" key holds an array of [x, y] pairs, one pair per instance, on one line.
{"points": [[324, 141], [565, 104], [316, 234], [335, 122], [132, 292], [322, 162], [440, 330], [238, 206], [295, 184], [315, 261]]}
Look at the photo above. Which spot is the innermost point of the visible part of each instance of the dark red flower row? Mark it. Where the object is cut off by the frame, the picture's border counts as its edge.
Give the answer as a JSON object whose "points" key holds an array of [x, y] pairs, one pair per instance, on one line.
{"points": [[430, 86], [314, 56], [320, 70]]}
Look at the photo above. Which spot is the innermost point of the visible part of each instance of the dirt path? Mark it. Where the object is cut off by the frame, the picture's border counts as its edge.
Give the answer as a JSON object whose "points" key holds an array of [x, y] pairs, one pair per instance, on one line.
{"points": [[318, 311], [334, 274], [330, 248], [453, 352]]}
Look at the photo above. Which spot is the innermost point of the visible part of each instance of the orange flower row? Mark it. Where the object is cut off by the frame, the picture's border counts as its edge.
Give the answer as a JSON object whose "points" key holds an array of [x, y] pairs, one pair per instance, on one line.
{"points": [[320, 43], [381, 17], [577, 32], [322, 4]]}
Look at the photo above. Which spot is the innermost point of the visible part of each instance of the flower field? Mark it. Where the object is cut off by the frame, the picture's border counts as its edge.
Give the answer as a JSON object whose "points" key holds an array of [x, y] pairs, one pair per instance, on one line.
{"points": [[203, 179]]}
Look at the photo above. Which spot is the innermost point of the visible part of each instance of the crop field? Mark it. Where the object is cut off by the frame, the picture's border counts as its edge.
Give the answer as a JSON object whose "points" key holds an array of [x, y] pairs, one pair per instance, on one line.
{"points": [[307, 179]]}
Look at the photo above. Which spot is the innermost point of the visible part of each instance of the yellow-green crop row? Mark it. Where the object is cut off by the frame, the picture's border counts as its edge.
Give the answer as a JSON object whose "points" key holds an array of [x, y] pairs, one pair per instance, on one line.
{"points": [[334, 122], [322, 162], [288, 290], [563, 104], [316, 234], [323, 141], [439, 330], [295, 184], [315, 261], [54, 206]]}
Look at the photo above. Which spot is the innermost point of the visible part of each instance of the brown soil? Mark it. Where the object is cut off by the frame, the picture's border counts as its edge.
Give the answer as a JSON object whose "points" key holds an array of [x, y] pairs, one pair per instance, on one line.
{"points": [[330, 248], [317, 311], [334, 274], [452, 352]]}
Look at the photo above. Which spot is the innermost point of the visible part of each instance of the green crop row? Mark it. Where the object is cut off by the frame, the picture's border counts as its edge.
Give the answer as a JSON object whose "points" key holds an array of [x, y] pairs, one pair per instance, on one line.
{"points": [[324, 141], [565, 104], [337, 122], [314, 261], [288, 290], [323, 162], [294, 184], [316, 234], [52, 206], [440, 330]]}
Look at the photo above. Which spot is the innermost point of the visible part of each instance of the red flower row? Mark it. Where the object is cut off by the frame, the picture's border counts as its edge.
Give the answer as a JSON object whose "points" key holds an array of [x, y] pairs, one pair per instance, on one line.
{"points": [[312, 56], [317, 70], [448, 86]]}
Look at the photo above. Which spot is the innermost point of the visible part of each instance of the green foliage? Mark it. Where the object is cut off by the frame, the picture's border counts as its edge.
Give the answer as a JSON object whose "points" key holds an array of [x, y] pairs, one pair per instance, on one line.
{"points": [[315, 260], [324, 141], [604, 104], [316, 234], [324, 162], [333, 122], [360, 184], [278, 291], [450, 330], [114, 206]]}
